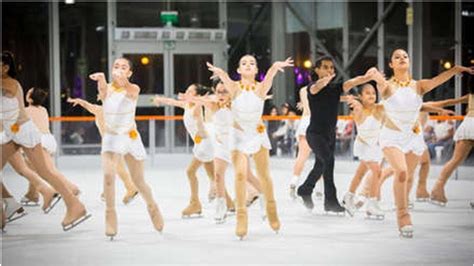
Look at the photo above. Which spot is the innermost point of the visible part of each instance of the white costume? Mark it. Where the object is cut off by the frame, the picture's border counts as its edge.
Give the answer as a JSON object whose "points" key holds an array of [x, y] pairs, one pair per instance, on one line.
{"points": [[403, 108], [366, 145], [302, 126], [49, 143], [251, 134], [121, 135], [203, 149], [223, 124], [466, 130], [26, 135]]}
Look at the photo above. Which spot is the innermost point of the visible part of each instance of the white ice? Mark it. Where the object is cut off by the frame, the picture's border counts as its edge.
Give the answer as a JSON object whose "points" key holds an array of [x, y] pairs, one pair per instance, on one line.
{"points": [[442, 235]]}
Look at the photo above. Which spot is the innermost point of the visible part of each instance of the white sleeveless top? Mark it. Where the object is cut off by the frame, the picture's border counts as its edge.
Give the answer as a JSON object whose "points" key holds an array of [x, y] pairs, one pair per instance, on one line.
{"points": [[119, 112], [403, 108], [247, 110], [10, 111], [368, 131], [222, 124]]}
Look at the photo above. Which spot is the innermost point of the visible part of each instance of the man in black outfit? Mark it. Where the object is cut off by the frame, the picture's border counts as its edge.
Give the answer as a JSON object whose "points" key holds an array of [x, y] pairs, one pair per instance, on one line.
{"points": [[323, 98]]}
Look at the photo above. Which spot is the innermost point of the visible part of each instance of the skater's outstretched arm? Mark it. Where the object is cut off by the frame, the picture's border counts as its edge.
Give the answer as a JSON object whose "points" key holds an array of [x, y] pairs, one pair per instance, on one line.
{"points": [[450, 102], [320, 84], [160, 100], [426, 107], [271, 73], [206, 100], [101, 83], [426, 85], [91, 108], [371, 74], [303, 105]]}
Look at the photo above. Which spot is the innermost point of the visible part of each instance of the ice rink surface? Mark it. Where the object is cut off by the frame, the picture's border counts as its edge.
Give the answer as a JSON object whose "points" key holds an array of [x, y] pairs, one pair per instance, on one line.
{"points": [[443, 236]]}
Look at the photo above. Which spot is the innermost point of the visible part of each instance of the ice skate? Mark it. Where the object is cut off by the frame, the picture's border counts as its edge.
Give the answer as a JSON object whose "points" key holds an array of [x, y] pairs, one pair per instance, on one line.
{"points": [[129, 196], [242, 223], [13, 210], [156, 217], [252, 198], [4, 219], [49, 202], [373, 210], [193, 210], [307, 201], [221, 211], [361, 200], [110, 224], [406, 231], [230, 204], [292, 187], [211, 196], [29, 202], [438, 198], [102, 197], [75, 217], [348, 203], [411, 205], [334, 208], [272, 215], [422, 195]]}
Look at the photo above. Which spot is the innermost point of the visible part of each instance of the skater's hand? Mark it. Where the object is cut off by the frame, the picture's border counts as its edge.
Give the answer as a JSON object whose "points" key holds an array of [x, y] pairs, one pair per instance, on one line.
{"points": [[216, 71], [323, 82], [97, 76], [299, 106], [157, 100], [460, 69], [120, 79], [73, 101], [446, 112], [280, 65]]}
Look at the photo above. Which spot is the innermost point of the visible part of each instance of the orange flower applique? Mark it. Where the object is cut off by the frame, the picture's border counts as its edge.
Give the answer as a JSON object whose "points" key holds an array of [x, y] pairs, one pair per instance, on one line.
{"points": [[416, 129], [133, 134], [197, 139], [15, 128], [261, 128]]}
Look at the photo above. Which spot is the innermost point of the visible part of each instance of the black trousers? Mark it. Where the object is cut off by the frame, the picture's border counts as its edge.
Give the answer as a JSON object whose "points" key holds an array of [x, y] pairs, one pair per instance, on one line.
{"points": [[323, 146]]}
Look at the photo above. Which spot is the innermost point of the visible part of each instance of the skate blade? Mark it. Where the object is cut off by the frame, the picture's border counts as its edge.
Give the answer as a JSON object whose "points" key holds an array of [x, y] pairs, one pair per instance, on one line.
{"points": [[55, 201], [438, 203], [192, 216], [374, 217], [29, 203], [422, 199], [335, 214], [126, 202], [15, 216], [407, 235], [252, 201], [76, 222], [111, 237], [301, 201]]}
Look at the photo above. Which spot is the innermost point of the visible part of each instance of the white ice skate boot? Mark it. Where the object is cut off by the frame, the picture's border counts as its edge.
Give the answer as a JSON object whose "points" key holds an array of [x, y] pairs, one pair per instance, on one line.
{"points": [[348, 203], [13, 210], [373, 210], [221, 211]]}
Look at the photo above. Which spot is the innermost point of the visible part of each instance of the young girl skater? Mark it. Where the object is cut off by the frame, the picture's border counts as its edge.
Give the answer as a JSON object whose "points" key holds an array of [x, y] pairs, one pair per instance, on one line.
{"points": [[219, 107], [121, 138], [122, 171], [203, 150], [249, 137], [402, 103], [19, 131]]}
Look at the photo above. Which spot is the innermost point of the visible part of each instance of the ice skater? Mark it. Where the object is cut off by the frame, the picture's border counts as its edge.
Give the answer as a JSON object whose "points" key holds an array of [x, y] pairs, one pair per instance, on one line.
{"points": [[121, 138], [249, 136]]}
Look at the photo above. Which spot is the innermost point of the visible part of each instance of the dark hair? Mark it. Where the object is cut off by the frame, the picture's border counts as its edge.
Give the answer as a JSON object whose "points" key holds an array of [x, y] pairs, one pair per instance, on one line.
{"points": [[202, 90], [9, 60], [319, 61], [216, 82], [38, 96]]}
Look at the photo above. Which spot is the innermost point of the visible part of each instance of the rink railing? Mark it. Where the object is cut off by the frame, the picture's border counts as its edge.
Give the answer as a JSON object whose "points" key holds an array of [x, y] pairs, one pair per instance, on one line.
{"points": [[149, 124]]}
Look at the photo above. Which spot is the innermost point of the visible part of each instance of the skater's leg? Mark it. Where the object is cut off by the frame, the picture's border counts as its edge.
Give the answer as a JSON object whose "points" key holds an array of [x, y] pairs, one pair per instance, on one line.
{"points": [[110, 161], [44, 167], [396, 159], [220, 167], [36, 184], [8, 149], [209, 167], [412, 162], [253, 180], [194, 206], [359, 174], [425, 163], [374, 179], [137, 174], [320, 148], [461, 151], [124, 175], [241, 165], [303, 154]]}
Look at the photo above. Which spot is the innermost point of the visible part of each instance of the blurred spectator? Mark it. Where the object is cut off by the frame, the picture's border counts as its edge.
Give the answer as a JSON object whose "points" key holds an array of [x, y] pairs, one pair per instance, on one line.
{"points": [[442, 137], [285, 135]]}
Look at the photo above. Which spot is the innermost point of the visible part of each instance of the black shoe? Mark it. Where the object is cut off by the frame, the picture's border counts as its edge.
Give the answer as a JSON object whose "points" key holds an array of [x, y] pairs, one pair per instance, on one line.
{"points": [[307, 201], [333, 207]]}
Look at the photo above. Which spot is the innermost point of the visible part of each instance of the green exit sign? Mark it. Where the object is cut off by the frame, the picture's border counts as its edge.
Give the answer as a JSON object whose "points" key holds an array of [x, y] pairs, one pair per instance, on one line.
{"points": [[169, 17]]}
